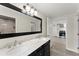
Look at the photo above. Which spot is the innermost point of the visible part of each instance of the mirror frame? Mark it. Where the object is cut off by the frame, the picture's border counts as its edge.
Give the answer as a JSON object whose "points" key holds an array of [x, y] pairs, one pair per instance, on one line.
{"points": [[8, 5]]}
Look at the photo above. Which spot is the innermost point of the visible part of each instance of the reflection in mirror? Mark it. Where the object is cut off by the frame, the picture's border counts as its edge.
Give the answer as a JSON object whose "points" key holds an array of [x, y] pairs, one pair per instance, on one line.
{"points": [[7, 25], [35, 25], [15, 23]]}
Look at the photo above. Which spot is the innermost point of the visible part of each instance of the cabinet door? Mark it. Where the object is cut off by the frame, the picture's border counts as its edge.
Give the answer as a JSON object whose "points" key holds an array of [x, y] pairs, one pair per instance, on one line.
{"points": [[40, 52], [44, 50], [33, 53], [47, 49]]}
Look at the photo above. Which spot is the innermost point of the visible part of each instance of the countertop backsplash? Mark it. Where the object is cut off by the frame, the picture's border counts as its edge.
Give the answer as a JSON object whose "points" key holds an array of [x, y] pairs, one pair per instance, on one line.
{"points": [[8, 42]]}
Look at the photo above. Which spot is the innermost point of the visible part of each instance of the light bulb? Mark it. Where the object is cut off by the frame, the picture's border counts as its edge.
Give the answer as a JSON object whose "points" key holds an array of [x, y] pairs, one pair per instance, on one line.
{"points": [[35, 12], [28, 8], [23, 9], [32, 11]]}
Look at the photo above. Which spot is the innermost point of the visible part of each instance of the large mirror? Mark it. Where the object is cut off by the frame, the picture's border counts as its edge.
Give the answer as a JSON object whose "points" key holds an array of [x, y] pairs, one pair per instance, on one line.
{"points": [[14, 23], [7, 25]]}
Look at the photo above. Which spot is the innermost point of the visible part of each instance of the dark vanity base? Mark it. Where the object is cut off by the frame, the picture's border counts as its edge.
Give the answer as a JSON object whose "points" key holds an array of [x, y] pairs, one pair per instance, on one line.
{"points": [[44, 50]]}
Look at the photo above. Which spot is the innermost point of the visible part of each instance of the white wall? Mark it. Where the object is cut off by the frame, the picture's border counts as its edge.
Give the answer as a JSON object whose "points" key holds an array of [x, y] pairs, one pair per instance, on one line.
{"points": [[44, 24], [19, 19], [56, 29], [52, 29], [72, 31], [52, 25], [49, 26]]}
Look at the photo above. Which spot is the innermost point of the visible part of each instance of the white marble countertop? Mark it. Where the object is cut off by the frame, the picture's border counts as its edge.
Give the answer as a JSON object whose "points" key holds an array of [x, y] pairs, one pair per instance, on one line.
{"points": [[25, 48]]}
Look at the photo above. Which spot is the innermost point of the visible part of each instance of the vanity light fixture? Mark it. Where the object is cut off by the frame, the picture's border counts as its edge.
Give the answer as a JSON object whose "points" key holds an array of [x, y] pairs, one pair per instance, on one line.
{"points": [[32, 11], [24, 9], [27, 9], [35, 12]]}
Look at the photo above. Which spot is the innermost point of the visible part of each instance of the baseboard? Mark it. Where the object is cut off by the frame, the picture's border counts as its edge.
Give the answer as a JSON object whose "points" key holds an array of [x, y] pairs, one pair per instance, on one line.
{"points": [[72, 50]]}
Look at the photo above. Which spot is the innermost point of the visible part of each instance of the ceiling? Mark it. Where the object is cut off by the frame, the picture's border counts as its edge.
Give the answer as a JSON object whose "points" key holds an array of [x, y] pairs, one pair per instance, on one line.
{"points": [[56, 9]]}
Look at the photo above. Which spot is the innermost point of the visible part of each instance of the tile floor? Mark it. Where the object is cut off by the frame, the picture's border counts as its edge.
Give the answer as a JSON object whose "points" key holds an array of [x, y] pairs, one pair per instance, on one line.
{"points": [[58, 48]]}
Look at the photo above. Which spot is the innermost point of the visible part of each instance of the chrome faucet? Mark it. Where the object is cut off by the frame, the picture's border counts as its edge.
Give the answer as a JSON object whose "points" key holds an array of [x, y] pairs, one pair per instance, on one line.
{"points": [[15, 42]]}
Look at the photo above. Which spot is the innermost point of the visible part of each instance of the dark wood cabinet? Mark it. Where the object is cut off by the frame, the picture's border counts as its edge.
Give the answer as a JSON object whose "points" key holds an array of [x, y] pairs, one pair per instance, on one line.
{"points": [[44, 50]]}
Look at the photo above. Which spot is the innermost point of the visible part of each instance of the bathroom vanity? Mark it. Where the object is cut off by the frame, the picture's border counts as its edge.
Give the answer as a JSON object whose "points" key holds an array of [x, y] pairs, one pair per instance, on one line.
{"points": [[43, 50], [21, 25], [34, 47]]}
